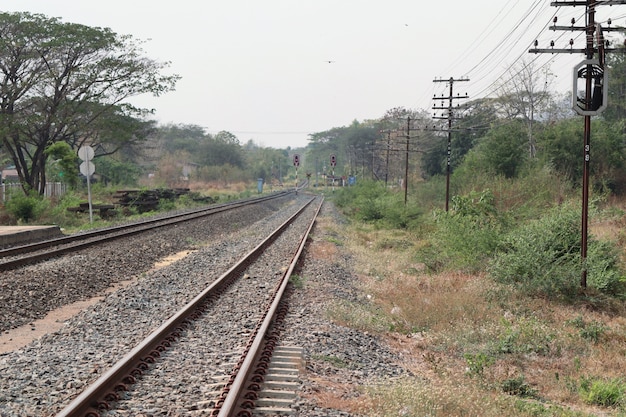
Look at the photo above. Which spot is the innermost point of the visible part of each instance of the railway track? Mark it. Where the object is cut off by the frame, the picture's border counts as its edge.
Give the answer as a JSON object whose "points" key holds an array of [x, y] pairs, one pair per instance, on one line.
{"points": [[195, 332], [30, 253]]}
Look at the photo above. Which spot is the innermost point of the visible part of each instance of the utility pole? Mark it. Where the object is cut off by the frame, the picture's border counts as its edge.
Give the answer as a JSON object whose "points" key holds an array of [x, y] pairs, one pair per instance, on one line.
{"points": [[450, 117], [388, 132], [406, 160], [592, 70]]}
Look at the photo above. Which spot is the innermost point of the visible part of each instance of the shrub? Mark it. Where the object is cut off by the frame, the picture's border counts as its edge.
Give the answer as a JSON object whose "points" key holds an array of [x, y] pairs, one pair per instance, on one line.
{"points": [[592, 331], [465, 237], [519, 387], [603, 393], [26, 207], [542, 258], [372, 202]]}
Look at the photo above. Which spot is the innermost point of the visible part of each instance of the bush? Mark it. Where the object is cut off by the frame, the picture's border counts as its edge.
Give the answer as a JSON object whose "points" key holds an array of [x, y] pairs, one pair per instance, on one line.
{"points": [[26, 207], [372, 202], [603, 393], [519, 387], [542, 258], [465, 237]]}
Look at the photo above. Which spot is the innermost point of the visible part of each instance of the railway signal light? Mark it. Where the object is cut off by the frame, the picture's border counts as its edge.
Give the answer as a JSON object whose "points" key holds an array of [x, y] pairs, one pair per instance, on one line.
{"points": [[296, 160], [333, 161], [599, 94]]}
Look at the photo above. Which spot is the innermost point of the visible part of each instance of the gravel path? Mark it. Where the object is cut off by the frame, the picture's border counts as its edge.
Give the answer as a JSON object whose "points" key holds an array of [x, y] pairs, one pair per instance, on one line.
{"points": [[39, 379]]}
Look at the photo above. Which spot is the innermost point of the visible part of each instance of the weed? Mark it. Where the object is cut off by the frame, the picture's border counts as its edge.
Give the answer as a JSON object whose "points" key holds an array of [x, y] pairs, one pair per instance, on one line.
{"points": [[334, 360], [605, 393], [542, 258], [519, 387], [526, 336], [591, 331], [297, 281], [334, 240], [476, 363], [361, 316]]}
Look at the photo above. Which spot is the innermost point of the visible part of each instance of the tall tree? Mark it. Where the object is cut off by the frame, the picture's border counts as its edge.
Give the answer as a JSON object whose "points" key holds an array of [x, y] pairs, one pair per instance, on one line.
{"points": [[524, 96], [616, 109], [58, 81]]}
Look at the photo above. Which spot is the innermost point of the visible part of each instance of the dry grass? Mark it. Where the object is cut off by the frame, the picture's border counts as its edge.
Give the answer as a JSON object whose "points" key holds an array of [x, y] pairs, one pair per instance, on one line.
{"points": [[465, 339]]}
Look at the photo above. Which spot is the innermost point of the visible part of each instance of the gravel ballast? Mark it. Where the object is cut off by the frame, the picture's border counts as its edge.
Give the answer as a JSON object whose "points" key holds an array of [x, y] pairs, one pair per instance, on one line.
{"points": [[39, 379]]}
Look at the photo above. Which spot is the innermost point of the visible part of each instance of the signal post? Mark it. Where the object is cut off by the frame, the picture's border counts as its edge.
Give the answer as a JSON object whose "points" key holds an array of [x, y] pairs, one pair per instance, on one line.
{"points": [[594, 99]]}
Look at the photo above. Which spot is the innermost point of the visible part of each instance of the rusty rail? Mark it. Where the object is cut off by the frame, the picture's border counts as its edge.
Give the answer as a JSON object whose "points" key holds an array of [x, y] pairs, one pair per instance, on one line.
{"points": [[83, 240], [233, 402]]}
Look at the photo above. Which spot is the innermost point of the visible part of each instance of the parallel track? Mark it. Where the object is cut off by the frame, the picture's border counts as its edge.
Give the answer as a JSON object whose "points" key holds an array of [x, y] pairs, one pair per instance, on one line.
{"points": [[35, 252]]}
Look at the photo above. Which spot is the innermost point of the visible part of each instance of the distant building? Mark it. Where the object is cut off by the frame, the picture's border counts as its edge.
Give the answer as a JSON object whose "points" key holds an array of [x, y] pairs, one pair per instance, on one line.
{"points": [[9, 174]]}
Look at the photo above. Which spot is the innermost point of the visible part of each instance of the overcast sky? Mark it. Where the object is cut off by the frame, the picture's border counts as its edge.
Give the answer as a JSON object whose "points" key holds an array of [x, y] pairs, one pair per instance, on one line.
{"points": [[275, 71]]}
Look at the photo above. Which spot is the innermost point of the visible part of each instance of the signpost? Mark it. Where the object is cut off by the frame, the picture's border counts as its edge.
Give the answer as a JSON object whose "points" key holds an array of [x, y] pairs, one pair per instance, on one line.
{"points": [[87, 168]]}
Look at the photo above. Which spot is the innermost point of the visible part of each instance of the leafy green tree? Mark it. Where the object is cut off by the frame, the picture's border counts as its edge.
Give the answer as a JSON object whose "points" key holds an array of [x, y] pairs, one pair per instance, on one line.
{"points": [[616, 108], [561, 147], [59, 81], [67, 162], [268, 163], [181, 138], [477, 118], [117, 172], [502, 151], [223, 148]]}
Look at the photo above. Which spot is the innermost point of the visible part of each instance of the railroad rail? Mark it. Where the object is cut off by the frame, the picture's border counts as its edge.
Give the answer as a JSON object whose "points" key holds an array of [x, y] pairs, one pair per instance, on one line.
{"points": [[233, 400], [47, 249]]}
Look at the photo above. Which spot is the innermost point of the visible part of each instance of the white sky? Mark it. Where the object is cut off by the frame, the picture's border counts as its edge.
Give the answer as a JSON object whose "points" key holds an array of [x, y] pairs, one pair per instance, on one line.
{"points": [[259, 68]]}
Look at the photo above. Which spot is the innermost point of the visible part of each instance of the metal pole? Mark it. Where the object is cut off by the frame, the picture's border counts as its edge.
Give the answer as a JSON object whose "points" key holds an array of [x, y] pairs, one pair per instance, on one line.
{"points": [[387, 163], [406, 162], [591, 11]]}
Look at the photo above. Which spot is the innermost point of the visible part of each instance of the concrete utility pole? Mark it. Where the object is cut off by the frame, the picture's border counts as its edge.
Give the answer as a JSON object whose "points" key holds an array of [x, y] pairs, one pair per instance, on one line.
{"points": [[592, 70], [450, 117]]}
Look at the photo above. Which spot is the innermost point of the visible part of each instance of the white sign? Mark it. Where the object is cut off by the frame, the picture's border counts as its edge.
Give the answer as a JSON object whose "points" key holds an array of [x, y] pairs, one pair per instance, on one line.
{"points": [[87, 168], [86, 153]]}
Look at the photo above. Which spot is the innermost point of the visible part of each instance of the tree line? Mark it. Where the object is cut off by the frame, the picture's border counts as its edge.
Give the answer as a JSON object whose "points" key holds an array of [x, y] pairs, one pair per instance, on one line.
{"points": [[525, 127], [63, 85]]}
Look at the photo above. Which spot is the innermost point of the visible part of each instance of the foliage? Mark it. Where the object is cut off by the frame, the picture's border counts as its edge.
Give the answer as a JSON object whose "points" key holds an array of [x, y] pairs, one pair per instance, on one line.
{"points": [[26, 208], [606, 393], [477, 363], [616, 109], [116, 172], [591, 331], [525, 336], [67, 162], [372, 202], [562, 142], [58, 214], [465, 237], [502, 151], [519, 387], [542, 258], [63, 82]]}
